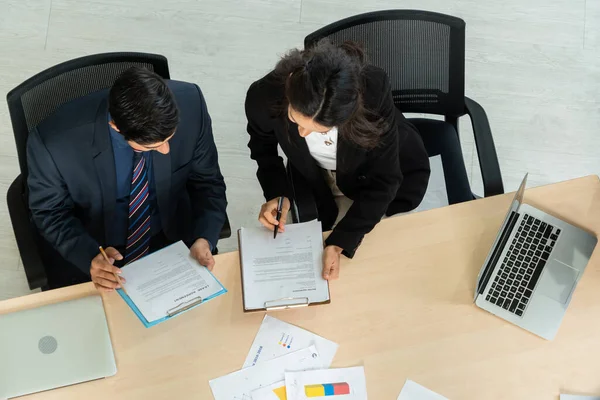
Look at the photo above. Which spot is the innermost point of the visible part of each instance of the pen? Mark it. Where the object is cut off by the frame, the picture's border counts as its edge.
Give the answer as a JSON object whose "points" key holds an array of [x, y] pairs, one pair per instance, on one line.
{"points": [[279, 209], [116, 276]]}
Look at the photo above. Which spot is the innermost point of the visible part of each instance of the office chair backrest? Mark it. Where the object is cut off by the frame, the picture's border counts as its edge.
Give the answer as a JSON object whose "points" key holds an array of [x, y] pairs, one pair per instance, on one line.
{"points": [[39, 96], [422, 52]]}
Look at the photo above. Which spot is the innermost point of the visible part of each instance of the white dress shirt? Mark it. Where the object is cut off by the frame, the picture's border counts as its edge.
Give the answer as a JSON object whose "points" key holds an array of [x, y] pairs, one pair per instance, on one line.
{"points": [[323, 148]]}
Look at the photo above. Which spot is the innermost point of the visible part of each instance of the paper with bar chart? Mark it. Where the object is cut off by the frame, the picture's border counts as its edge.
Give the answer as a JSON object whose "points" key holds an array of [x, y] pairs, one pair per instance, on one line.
{"points": [[275, 391], [241, 384], [333, 384], [276, 338]]}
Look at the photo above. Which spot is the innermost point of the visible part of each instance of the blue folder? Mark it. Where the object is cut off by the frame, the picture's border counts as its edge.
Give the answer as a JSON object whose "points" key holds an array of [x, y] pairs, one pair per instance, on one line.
{"points": [[149, 324]]}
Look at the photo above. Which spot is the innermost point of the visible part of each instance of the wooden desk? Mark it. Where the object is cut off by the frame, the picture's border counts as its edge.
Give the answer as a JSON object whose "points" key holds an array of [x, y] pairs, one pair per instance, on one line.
{"points": [[403, 308]]}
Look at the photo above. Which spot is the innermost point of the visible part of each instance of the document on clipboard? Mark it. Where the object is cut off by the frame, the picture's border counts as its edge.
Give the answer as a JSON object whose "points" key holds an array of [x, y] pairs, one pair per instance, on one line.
{"points": [[284, 272], [167, 283]]}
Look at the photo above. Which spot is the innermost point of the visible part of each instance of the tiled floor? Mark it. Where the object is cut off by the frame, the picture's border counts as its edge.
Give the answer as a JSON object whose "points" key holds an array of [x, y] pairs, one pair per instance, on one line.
{"points": [[534, 66]]}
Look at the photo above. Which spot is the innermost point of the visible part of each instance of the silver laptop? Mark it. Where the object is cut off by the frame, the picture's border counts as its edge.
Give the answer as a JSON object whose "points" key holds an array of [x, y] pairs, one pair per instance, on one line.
{"points": [[533, 267], [53, 346]]}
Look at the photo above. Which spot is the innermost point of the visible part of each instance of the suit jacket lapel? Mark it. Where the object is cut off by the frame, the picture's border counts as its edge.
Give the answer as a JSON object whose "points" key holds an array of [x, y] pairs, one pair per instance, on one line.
{"points": [[296, 149], [349, 156], [161, 169], [104, 161]]}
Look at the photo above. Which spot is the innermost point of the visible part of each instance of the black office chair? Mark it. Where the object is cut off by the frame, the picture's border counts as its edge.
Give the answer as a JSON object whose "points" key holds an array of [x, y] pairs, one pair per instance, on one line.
{"points": [[33, 101], [423, 54]]}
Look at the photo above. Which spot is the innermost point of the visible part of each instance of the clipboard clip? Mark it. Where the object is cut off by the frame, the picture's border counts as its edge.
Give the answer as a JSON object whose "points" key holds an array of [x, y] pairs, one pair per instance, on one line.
{"points": [[285, 303], [186, 305]]}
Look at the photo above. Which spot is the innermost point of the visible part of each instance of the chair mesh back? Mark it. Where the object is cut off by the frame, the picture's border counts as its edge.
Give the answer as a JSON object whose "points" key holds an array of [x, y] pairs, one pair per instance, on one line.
{"points": [[422, 53], [42, 100], [37, 98]]}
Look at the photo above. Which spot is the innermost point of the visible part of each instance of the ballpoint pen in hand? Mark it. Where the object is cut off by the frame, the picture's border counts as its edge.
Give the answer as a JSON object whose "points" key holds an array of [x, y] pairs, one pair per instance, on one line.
{"points": [[116, 276], [278, 217]]}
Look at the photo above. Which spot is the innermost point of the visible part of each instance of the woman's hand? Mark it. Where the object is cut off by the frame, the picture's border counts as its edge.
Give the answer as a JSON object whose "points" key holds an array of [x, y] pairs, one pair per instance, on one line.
{"points": [[268, 212], [331, 262]]}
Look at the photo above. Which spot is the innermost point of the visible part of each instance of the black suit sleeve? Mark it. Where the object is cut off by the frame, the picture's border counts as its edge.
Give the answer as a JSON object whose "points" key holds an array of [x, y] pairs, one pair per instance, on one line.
{"points": [[263, 145], [52, 207], [205, 184], [384, 178]]}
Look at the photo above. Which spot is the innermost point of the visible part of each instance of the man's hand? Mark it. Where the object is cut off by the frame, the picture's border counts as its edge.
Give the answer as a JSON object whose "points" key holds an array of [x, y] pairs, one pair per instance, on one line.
{"points": [[268, 212], [200, 250], [103, 271], [331, 262]]}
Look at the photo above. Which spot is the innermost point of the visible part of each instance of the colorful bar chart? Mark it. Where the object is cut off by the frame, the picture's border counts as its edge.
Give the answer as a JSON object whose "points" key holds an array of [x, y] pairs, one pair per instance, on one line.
{"points": [[327, 389]]}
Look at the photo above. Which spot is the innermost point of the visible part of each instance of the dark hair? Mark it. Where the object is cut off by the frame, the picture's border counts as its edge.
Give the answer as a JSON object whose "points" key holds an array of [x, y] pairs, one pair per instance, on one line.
{"points": [[142, 106], [325, 82]]}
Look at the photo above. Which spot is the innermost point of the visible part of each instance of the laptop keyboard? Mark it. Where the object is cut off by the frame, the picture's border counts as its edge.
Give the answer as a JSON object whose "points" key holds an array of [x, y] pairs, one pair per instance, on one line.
{"points": [[523, 265]]}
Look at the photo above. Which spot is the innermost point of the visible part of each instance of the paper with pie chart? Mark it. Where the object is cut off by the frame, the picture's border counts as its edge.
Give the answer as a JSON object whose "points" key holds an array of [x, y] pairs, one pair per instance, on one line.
{"points": [[239, 385], [276, 338], [327, 384], [275, 391]]}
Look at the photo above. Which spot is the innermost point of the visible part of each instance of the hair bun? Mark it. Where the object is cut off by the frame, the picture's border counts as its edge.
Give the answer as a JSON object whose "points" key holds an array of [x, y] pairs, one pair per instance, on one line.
{"points": [[354, 50]]}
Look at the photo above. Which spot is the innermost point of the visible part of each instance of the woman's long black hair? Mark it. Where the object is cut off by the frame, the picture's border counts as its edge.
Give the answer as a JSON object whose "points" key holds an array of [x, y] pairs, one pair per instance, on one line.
{"points": [[326, 82]]}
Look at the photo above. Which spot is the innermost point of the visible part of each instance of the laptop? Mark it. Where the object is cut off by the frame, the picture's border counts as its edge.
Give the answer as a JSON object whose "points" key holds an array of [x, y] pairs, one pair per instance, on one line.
{"points": [[53, 346], [533, 267]]}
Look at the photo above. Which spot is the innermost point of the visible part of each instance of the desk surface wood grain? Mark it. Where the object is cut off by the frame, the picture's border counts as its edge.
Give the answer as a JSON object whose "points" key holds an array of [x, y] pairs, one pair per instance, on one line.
{"points": [[403, 308]]}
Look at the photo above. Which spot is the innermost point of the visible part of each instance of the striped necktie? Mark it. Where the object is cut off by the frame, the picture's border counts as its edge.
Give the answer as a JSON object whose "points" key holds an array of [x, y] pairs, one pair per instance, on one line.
{"points": [[138, 233]]}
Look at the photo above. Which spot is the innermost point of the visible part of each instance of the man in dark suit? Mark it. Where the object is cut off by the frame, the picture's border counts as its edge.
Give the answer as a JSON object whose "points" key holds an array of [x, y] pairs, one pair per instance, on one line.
{"points": [[134, 169]]}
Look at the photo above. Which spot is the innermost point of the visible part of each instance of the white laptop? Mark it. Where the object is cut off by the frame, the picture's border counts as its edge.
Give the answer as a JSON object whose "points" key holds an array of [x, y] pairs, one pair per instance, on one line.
{"points": [[54, 346], [533, 268]]}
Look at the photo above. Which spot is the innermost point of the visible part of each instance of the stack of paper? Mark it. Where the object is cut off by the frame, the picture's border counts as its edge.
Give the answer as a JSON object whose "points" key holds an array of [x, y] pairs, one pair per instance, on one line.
{"points": [[286, 362], [276, 338], [241, 384], [343, 383]]}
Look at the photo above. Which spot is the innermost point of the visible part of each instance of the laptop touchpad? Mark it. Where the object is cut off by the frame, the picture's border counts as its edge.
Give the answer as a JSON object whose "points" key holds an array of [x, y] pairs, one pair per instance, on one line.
{"points": [[558, 281]]}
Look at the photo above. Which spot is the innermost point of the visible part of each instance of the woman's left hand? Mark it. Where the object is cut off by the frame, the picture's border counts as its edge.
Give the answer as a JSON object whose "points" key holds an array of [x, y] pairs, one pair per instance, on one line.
{"points": [[331, 262]]}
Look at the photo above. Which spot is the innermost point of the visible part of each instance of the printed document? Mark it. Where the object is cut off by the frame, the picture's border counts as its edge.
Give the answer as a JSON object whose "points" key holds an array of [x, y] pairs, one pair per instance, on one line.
{"points": [[168, 280], [414, 391], [347, 383], [275, 391], [283, 271], [241, 384], [276, 338]]}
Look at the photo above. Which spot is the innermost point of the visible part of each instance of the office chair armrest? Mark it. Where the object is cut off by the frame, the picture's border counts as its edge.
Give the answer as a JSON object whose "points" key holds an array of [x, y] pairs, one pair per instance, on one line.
{"points": [[304, 206], [226, 229], [224, 234], [26, 235], [486, 151]]}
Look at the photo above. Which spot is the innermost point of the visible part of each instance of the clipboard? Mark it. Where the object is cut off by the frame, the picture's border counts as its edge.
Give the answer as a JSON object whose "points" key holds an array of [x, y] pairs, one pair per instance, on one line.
{"points": [[181, 307], [275, 304], [175, 311]]}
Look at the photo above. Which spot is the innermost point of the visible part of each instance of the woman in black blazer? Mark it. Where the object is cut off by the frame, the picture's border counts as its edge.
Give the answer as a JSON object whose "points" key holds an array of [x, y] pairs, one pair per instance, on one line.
{"points": [[334, 118]]}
